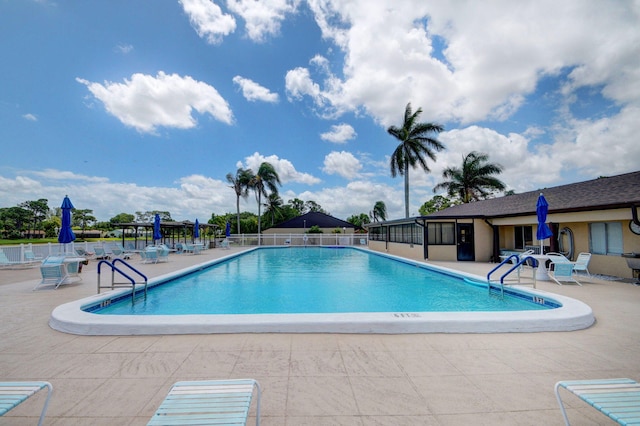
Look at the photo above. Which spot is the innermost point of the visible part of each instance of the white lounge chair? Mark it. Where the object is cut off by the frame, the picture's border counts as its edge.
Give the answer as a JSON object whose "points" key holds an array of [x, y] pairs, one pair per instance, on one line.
{"points": [[582, 263], [213, 402], [13, 394], [617, 398], [562, 272]]}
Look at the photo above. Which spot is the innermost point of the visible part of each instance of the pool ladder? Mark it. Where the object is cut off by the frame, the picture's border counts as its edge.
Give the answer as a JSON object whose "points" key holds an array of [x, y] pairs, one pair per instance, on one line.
{"points": [[515, 267], [114, 284]]}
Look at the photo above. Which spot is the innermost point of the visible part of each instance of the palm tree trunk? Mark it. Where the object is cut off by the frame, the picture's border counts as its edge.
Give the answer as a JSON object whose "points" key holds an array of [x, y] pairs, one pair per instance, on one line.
{"points": [[238, 211], [406, 190], [259, 220]]}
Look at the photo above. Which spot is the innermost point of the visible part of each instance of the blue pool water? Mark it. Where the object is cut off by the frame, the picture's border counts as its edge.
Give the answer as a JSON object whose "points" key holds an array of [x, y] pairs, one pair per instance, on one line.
{"points": [[315, 280]]}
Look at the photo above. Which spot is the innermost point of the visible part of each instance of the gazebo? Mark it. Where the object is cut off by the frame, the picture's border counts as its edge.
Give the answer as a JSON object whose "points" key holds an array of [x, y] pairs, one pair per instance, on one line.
{"points": [[172, 232]]}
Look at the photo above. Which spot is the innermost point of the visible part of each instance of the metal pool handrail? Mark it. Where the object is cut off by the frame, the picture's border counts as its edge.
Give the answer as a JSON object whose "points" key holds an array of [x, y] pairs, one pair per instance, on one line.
{"points": [[124, 274], [513, 268]]}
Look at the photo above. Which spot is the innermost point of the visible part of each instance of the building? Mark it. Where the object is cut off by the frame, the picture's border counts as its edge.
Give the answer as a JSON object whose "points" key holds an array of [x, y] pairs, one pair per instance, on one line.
{"points": [[599, 216], [301, 224]]}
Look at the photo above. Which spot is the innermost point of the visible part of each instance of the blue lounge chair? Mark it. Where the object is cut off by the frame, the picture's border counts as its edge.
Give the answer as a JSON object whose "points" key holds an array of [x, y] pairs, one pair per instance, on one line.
{"points": [[562, 272], [13, 394], [56, 270], [15, 264], [30, 257], [163, 253], [212, 402], [617, 398], [83, 253], [149, 255], [101, 253]]}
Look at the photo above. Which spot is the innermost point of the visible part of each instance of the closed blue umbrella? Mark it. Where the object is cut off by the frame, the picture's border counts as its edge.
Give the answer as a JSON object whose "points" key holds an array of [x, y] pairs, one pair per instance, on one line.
{"points": [[66, 234], [543, 232], [196, 229], [157, 235], [227, 231]]}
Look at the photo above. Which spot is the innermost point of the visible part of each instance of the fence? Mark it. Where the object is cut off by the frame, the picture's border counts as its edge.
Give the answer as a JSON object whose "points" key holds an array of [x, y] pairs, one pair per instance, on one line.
{"points": [[16, 253], [249, 240]]}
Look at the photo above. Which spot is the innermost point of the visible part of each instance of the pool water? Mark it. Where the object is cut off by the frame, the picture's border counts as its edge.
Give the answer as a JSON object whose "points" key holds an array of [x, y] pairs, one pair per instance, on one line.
{"points": [[315, 280]]}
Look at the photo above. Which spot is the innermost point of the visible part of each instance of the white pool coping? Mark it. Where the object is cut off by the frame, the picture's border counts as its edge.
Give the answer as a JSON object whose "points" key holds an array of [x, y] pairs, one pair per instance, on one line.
{"points": [[572, 315]]}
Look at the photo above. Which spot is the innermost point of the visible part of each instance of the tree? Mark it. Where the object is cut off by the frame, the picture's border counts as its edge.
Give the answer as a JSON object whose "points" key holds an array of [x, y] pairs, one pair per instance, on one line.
{"points": [[82, 218], [122, 218], [435, 204], [474, 181], [38, 210], [273, 207], [14, 220], [265, 178], [359, 220], [149, 216], [298, 205], [240, 184], [415, 143], [312, 206], [379, 212]]}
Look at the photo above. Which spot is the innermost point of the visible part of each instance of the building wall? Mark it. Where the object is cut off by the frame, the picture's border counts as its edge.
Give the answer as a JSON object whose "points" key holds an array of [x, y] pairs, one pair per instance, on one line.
{"points": [[578, 222]]}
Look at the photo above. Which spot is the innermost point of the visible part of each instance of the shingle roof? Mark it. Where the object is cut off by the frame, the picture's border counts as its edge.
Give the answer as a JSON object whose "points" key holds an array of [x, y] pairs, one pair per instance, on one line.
{"points": [[597, 194], [315, 218]]}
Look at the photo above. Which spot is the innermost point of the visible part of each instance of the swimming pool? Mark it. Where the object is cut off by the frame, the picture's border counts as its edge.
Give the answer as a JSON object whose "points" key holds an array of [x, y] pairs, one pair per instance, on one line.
{"points": [[280, 304], [316, 280]]}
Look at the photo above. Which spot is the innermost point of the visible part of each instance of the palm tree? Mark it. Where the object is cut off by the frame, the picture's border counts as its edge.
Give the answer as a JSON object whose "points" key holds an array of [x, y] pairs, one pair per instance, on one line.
{"points": [[240, 184], [273, 206], [415, 143], [474, 181], [379, 212], [266, 177]]}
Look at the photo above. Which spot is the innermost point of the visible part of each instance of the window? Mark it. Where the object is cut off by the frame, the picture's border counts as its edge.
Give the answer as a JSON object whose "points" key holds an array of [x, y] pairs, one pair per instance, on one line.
{"points": [[441, 233], [408, 233], [524, 236], [378, 233], [605, 238]]}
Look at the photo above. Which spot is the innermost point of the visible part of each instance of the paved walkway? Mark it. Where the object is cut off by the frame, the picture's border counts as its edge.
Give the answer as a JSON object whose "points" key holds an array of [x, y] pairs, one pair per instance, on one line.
{"points": [[317, 379]]}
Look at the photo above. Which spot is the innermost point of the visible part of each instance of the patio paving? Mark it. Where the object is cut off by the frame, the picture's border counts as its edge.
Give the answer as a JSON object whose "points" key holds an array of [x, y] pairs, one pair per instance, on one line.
{"points": [[317, 379]]}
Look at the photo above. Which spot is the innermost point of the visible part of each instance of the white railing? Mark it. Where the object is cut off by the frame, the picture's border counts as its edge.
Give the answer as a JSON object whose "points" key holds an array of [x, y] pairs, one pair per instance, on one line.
{"points": [[16, 253], [248, 240]]}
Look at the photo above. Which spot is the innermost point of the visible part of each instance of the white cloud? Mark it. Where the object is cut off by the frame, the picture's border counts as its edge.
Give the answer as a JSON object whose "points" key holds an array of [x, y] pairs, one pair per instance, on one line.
{"points": [[208, 20], [493, 55], [252, 91], [285, 169], [146, 102], [124, 48], [195, 196], [262, 17], [30, 117], [361, 196], [340, 133], [342, 163], [59, 175], [299, 83]]}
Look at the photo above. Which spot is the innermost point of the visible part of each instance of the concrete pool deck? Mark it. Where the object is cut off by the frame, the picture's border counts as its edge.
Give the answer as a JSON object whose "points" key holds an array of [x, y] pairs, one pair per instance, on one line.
{"points": [[317, 379]]}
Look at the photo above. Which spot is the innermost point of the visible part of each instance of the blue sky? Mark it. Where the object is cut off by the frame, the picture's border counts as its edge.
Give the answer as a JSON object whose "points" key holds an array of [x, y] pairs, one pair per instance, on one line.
{"points": [[146, 105]]}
